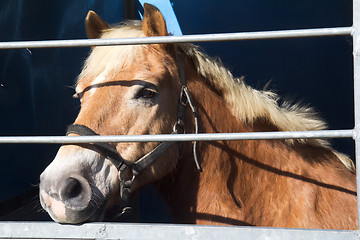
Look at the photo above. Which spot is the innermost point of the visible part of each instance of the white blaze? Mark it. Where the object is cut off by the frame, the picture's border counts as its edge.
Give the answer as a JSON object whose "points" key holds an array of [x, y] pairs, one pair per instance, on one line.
{"points": [[98, 80]]}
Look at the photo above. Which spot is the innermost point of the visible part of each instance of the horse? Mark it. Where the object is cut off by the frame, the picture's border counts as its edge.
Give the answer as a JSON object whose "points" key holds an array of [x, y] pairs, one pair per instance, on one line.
{"points": [[176, 88]]}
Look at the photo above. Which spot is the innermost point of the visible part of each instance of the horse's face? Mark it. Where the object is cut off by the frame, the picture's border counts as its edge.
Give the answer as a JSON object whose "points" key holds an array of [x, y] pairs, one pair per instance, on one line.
{"points": [[138, 95]]}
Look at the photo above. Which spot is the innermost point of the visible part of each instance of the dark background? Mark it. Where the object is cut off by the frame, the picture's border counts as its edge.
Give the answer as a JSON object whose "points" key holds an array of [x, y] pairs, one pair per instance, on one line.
{"points": [[36, 85]]}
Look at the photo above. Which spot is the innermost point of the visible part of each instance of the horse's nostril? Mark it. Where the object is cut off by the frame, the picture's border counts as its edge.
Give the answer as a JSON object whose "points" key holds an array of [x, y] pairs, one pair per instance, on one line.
{"points": [[73, 189], [75, 192]]}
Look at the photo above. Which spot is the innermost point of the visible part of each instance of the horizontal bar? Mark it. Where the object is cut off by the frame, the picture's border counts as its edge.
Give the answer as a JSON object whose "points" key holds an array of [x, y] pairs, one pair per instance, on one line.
{"points": [[180, 137], [180, 39], [43, 230]]}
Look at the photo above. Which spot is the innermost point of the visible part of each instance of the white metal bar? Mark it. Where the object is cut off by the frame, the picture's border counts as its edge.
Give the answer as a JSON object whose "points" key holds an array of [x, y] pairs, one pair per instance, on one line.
{"points": [[180, 137], [356, 55], [45, 230], [180, 39]]}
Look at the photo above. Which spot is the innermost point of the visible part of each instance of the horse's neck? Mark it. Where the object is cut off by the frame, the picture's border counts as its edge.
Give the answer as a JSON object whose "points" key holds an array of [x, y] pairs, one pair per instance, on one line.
{"points": [[198, 197], [219, 190], [237, 174]]}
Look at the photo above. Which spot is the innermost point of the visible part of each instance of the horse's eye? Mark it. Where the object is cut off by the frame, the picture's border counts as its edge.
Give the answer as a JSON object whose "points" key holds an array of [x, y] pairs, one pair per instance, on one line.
{"points": [[146, 93]]}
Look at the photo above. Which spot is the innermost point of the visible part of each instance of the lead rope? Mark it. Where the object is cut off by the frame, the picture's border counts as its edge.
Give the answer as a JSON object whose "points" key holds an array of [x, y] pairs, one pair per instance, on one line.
{"points": [[196, 120], [189, 100]]}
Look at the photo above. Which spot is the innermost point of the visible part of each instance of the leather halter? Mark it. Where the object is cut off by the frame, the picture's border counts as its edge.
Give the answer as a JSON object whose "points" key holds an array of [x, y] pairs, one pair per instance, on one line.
{"points": [[109, 152]]}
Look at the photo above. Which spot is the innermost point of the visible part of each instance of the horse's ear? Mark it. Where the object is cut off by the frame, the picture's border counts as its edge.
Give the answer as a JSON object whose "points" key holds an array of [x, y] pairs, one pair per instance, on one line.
{"points": [[153, 23], [94, 25]]}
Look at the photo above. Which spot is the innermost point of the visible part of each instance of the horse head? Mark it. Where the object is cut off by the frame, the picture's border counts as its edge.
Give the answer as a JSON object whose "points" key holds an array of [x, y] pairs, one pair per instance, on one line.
{"points": [[123, 90]]}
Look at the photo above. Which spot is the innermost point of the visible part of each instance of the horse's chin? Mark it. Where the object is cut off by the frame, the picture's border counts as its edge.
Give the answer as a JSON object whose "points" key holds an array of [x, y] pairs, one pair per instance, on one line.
{"points": [[98, 214], [90, 214], [61, 214], [107, 214]]}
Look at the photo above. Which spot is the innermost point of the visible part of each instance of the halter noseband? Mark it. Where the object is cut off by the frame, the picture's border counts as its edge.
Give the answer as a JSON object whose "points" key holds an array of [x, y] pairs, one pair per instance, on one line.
{"points": [[109, 152]]}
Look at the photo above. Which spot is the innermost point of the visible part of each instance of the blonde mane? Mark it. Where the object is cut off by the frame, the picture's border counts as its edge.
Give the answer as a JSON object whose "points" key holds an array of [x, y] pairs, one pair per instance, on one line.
{"points": [[249, 104], [246, 103]]}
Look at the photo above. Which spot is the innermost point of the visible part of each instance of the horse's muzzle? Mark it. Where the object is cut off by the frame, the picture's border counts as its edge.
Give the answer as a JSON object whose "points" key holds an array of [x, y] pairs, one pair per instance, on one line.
{"points": [[69, 200]]}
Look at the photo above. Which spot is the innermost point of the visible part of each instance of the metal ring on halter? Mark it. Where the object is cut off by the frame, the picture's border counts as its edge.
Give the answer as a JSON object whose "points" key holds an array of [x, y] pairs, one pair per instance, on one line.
{"points": [[125, 186], [130, 180], [179, 124]]}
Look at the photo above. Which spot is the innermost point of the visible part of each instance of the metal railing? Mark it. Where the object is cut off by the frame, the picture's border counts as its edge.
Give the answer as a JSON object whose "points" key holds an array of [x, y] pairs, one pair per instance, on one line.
{"points": [[43, 230], [181, 39], [181, 137]]}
